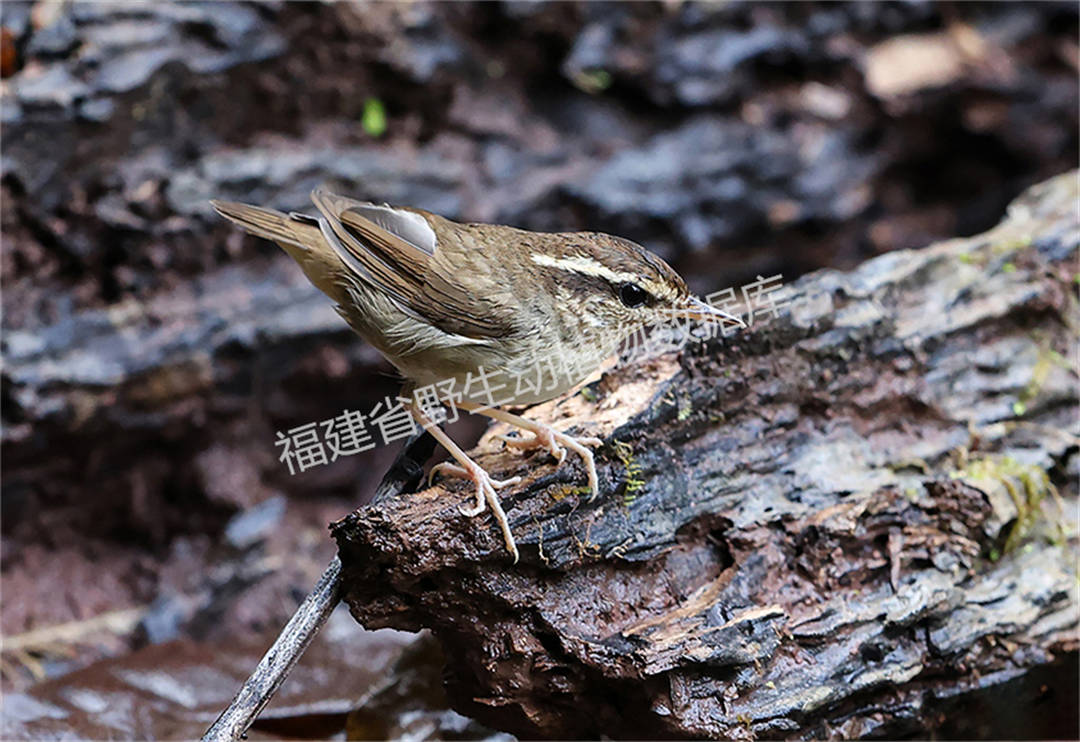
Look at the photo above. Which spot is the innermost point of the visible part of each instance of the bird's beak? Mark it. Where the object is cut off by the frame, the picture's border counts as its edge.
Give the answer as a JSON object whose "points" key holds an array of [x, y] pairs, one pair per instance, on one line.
{"points": [[696, 309]]}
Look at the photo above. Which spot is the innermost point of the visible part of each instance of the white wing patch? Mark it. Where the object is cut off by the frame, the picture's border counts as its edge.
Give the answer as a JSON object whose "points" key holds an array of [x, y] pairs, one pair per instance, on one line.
{"points": [[407, 225]]}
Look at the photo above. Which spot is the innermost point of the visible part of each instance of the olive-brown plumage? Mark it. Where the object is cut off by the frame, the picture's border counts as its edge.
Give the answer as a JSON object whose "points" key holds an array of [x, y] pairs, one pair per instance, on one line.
{"points": [[443, 300]]}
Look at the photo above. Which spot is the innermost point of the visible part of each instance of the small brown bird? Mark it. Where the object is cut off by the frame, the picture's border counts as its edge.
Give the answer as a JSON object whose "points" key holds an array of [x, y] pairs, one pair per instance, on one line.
{"points": [[479, 315]]}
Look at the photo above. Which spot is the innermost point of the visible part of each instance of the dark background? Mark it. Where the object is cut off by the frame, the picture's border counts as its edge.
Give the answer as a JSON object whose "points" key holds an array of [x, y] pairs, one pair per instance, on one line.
{"points": [[151, 350]]}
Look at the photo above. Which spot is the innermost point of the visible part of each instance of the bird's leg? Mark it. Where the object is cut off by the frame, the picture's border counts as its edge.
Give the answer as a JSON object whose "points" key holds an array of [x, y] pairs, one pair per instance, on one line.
{"points": [[469, 469], [544, 436]]}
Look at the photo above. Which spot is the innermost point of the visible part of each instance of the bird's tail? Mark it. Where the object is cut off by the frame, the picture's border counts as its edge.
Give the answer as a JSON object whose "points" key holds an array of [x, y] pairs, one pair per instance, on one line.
{"points": [[266, 223], [298, 235]]}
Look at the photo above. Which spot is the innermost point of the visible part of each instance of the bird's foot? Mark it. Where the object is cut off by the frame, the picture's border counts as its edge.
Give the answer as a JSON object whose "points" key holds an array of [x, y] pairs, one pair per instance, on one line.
{"points": [[545, 436], [453, 470], [485, 495]]}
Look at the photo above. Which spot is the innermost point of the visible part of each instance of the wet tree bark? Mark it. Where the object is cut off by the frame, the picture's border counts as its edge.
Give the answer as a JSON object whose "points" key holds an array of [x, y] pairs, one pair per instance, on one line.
{"points": [[840, 523]]}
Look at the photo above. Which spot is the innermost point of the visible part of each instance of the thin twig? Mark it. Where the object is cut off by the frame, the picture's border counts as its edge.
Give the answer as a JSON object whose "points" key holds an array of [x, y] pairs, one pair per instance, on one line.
{"points": [[286, 650]]}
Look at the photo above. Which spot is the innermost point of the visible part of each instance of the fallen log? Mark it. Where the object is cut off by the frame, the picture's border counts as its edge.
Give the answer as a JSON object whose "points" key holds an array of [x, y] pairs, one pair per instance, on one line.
{"points": [[836, 524]]}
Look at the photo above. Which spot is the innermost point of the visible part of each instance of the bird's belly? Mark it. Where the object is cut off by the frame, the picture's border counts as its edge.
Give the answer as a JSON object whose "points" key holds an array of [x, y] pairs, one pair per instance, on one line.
{"points": [[494, 380], [518, 372]]}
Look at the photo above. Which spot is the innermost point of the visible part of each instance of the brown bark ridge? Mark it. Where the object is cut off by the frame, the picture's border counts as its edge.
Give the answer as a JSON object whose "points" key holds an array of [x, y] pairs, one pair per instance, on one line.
{"points": [[835, 525]]}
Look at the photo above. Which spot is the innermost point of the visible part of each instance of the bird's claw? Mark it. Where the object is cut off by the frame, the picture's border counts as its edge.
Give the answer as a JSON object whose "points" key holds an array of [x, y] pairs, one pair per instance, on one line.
{"points": [[485, 496], [556, 443], [459, 471]]}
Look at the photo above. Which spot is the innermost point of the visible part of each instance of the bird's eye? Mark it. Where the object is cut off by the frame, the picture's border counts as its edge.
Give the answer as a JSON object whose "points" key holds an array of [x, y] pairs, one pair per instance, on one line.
{"points": [[633, 295]]}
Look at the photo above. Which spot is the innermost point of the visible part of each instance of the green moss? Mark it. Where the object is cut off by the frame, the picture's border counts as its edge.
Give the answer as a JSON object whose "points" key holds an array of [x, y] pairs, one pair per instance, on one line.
{"points": [[1044, 364], [1027, 486], [686, 408], [916, 463], [1017, 243], [634, 482], [981, 256], [566, 490]]}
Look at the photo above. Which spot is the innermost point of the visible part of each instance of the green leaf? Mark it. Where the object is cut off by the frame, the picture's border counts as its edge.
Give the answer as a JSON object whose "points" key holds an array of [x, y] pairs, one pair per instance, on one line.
{"points": [[374, 118], [592, 81]]}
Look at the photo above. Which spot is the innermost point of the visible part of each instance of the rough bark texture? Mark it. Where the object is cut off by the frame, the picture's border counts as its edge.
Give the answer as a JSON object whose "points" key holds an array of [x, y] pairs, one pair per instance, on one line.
{"points": [[804, 532], [151, 351]]}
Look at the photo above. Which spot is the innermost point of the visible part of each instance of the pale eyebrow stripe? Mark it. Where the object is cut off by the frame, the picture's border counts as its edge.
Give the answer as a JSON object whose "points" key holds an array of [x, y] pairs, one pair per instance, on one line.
{"points": [[585, 266]]}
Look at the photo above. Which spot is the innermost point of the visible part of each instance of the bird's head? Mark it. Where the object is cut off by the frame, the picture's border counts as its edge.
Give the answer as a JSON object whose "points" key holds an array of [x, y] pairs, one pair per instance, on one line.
{"points": [[613, 285]]}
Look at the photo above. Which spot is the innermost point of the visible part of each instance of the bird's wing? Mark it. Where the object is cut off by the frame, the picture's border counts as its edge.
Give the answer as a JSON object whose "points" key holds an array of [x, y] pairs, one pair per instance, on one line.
{"points": [[394, 249]]}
